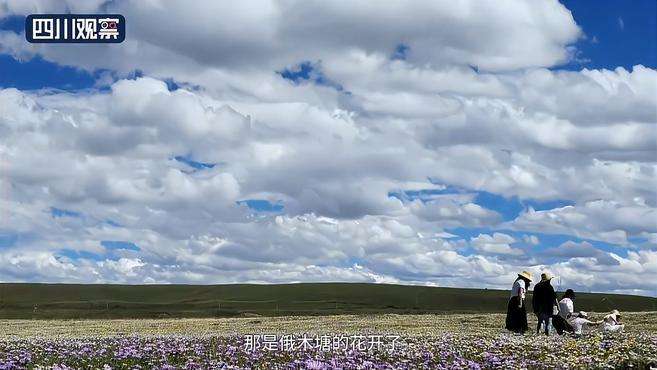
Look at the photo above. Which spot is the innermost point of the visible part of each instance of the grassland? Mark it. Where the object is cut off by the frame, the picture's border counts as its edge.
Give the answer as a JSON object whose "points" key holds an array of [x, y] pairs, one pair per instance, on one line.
{"points": [[440, 341], [64, 301], [404, 325]]}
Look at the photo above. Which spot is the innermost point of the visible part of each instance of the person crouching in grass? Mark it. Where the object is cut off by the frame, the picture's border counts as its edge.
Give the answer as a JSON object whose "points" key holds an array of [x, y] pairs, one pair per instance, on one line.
{"points": [[566, 310], [580, 323], [612, 323], [516, 314]]}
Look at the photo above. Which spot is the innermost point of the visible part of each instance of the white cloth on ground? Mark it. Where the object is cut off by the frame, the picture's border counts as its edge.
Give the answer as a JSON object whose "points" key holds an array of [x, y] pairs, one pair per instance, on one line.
{"points": [[613, 328]]}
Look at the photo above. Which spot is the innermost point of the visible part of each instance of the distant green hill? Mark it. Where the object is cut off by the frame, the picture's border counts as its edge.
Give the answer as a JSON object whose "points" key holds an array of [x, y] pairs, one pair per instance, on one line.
{"points": [[122, 301]]}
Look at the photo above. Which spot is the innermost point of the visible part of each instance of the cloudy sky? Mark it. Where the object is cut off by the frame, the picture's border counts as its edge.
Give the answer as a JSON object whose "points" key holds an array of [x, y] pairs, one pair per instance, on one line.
{"points": [[418, 142]]}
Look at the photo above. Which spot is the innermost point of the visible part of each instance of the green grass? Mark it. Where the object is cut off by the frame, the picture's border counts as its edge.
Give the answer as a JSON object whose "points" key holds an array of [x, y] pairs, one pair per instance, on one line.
{"points": [[60, 301]]}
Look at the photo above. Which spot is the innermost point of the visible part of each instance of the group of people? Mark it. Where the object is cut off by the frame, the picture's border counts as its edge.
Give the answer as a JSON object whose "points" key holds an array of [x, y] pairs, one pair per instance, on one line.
{"points": [[551, 312]]}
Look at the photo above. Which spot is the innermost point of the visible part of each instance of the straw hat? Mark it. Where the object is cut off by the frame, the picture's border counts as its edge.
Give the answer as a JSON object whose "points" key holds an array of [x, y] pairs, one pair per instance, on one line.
{"points": [[615, 312], [583, 314], [525, 274], [546, 276]]}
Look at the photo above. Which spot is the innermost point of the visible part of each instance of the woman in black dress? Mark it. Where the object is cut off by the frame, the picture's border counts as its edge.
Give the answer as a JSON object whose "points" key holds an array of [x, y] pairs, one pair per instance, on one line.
{"points": [[516, 314]]}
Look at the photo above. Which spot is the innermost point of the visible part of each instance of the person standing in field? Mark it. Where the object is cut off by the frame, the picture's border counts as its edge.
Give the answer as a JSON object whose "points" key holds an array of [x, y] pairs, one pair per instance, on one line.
{"points": [[516, 314], [543, 301]]}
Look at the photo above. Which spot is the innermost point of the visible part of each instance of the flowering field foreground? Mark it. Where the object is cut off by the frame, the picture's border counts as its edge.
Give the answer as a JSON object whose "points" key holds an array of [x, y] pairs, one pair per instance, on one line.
{"points": [[479, 343], [447, 351]]}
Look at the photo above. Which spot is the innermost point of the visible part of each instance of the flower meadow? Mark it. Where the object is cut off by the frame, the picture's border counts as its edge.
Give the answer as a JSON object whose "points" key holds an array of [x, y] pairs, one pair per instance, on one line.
{"points": [[445, 351], [445, 341]]}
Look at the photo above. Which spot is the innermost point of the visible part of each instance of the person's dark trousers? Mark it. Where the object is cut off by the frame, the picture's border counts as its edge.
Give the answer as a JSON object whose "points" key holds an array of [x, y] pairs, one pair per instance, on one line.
{"points": [[543, 318], [561, 325]]}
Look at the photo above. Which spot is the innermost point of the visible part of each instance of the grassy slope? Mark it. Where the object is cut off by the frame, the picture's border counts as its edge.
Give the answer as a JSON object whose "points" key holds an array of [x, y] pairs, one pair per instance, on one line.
{"points": [[114, 301]]}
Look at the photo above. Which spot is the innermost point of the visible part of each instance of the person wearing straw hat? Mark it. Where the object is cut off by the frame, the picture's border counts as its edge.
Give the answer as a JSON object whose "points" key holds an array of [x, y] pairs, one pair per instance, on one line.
{"points": [[516, 314], [612, 323], [544, 300]]}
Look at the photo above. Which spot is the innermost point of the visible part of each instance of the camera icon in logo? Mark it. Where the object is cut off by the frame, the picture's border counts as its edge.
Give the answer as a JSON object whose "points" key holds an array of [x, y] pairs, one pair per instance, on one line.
{"points": [[109, 28]]}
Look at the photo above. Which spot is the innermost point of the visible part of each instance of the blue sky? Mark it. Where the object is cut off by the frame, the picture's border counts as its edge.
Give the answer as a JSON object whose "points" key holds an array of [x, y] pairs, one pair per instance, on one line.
{"points": [[618, 33], [325, 128], [508, 207]]}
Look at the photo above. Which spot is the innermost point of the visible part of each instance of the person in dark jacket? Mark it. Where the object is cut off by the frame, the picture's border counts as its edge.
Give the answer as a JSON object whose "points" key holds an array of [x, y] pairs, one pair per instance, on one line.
{"points": [[516, 314], [544, 300]]}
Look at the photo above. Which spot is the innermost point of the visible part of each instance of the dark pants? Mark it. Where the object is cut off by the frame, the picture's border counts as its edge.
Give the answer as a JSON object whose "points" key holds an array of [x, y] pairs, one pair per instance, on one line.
{"points": [[544, 318], [561, 325], [516, 317]]}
